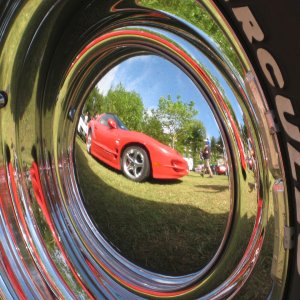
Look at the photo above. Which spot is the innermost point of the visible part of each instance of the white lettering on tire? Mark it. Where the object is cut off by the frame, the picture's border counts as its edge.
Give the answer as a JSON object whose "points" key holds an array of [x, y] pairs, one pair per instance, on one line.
{"points": [[250, 26], [266, 59], [284, 105]]}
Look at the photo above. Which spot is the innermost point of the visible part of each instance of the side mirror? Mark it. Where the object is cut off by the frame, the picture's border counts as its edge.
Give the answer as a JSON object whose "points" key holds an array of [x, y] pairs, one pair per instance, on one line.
{"points": [[112, 124]]}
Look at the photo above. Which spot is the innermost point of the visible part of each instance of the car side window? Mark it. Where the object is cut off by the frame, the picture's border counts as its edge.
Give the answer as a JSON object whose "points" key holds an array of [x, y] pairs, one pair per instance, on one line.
{"points": [[104, 120]]}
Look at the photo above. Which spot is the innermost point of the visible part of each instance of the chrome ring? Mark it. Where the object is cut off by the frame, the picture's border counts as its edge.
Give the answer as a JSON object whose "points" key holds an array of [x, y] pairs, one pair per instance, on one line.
{"points": [[61, 251]]}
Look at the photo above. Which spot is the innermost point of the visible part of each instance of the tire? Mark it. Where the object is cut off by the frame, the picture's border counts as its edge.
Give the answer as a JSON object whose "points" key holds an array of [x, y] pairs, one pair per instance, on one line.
{"points": [[89, 142], [274, 54], [135, 163], [50, 247]]}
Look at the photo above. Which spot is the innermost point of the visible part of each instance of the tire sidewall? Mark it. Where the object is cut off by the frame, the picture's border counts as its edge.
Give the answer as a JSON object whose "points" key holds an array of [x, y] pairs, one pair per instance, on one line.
{"points": [[279, 23]]}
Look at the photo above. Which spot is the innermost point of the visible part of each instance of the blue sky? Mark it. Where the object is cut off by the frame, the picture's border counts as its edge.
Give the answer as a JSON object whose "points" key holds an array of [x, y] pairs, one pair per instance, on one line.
{"points": [[153, 77]]}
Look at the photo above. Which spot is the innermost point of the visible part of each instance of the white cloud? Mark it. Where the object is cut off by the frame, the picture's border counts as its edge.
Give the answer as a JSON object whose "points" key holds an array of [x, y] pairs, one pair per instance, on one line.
{"points": [[107, 81]]}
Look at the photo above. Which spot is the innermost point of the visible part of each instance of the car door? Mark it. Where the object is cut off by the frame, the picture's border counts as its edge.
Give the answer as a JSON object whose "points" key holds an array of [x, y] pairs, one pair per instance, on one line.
{"points": [[105, 139]]}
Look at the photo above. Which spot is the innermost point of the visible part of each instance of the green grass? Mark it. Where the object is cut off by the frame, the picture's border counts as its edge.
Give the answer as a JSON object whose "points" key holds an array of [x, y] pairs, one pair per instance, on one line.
{"points": [[170, 227], [164, 226]]}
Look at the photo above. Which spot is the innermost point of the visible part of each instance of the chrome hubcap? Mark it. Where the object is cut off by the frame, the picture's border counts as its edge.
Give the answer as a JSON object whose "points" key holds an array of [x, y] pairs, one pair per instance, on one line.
{"points": [[42, 205], [133, 163]]}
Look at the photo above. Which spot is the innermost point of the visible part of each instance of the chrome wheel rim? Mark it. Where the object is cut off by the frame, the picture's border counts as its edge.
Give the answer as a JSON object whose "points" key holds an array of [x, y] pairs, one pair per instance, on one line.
{"points": [[133, 163], [41, 194]]}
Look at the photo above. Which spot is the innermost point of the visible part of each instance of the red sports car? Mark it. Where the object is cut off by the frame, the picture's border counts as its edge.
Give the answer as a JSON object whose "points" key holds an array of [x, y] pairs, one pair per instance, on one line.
{"points": [[138, 155]]}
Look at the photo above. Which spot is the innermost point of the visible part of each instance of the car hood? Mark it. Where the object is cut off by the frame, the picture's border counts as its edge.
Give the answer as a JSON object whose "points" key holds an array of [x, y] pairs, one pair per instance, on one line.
{"points": [[148, 140]]}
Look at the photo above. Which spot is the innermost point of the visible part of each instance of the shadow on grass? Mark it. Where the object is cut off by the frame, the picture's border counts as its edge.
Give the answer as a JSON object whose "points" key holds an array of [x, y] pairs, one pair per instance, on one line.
{"points": [[212, 188], [104, 165], [165, 181], [171, 239], [163, 237]]}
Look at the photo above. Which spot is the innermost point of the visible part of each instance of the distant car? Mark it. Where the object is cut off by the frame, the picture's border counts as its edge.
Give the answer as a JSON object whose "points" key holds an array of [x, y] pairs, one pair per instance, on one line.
{"points": [[82, 127], [250, 163], [199, 168], [190, 162], [221, 170], [136, 154]]}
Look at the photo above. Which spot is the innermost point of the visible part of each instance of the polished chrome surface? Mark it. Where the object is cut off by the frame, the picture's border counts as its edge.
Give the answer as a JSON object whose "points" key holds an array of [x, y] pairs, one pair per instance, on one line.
{"points": [[50, 247], [166, 225], [134, 163]]}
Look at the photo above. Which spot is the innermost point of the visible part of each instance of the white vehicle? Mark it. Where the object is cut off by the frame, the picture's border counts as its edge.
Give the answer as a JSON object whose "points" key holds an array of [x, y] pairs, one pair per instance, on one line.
{"points": [[190, 162], [82, 127]]}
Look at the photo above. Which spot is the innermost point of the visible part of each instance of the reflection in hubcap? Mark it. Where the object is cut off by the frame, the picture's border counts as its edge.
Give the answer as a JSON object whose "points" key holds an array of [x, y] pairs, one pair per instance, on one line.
{"points": [[134, 163], [170, 98], [89, 143], [170, 213]]}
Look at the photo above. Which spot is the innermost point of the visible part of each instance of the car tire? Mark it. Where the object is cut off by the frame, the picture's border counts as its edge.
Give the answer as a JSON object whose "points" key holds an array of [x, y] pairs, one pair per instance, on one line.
{"points": [[269, 39], [135, 163]]}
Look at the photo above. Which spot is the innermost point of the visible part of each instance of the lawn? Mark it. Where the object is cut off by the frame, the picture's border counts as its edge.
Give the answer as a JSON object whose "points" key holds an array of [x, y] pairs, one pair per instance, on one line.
{"points": [[156, 223], [170, 227]]}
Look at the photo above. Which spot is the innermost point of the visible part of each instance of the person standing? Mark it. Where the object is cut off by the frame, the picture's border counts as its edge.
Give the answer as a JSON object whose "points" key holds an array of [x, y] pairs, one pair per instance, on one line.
{"points": [[87, 117], [206, 156]]}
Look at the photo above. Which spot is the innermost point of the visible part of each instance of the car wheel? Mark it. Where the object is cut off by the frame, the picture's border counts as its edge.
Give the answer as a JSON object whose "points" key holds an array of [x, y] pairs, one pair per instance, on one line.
{"points": [[135, 163], [52, 52], [89, 142]]}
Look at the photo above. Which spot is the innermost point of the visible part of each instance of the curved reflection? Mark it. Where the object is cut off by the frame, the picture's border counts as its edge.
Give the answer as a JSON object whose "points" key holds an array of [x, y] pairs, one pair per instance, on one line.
{"points": [[170, 139], [72, 226], [138, 155], [225, 95]]}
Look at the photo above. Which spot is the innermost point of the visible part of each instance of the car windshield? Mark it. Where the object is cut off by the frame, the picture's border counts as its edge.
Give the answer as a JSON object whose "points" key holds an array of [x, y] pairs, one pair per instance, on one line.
{"points": [[121, 125], [108, 116]]}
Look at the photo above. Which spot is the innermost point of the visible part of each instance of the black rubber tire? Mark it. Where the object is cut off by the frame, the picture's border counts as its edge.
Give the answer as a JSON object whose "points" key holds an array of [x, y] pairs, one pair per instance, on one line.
{"points": [[140, 163], [280, 23]]}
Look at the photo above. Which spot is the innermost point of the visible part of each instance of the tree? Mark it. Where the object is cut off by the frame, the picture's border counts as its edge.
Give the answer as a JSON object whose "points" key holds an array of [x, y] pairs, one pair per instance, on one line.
{"points": [[128, 105], [213, 150], [153, 127], [220, 145], [194, 140], [217, 149], [94, 102], [175, 117], [198, 16]]}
